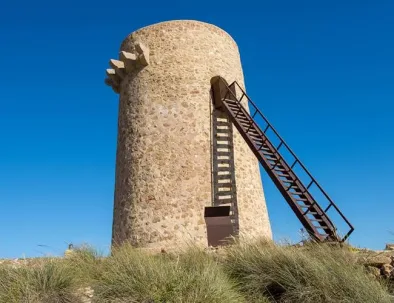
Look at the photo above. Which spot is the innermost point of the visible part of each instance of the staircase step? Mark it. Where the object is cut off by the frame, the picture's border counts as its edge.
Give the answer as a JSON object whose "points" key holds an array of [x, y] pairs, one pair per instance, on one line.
{"points": [[224, 183], [288, 181], [224, 201], [222, 169], [253, 136], [283, 175], [243, 120], [262, 148], [224, 177], [272, 159], [223, 145], [221, 123], [223, 154], [270, 155], [222, 135], [296, 193], [267, 153], [225, 194], [258, 139], [280, 168], [223, 161], [292, 186], [301, 199], [238, 111], [233, 107], [254, 130], [316, 220]]}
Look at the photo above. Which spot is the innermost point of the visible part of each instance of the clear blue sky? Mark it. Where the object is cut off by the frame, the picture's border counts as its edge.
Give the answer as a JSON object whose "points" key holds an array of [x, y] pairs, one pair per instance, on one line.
{"points": [[322, 72]]}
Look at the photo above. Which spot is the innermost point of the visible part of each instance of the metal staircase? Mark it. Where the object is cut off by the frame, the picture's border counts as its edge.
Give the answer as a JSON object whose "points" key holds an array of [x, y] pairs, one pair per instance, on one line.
{"points": [[296, 188]]}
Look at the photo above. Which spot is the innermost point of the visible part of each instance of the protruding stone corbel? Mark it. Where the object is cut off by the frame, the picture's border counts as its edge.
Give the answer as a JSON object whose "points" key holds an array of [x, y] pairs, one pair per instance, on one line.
{"points": [[143, 53], [111, 73], [113, 79], [118, 66], [129, 60]]}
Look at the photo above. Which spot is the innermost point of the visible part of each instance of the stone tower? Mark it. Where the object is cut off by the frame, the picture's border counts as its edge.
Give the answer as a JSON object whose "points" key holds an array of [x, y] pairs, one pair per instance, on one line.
{"points": [[164, 170]]}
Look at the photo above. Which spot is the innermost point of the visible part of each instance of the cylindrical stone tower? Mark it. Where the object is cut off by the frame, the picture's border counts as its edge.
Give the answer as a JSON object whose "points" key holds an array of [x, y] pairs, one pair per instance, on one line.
{"points": [[164, 152]]}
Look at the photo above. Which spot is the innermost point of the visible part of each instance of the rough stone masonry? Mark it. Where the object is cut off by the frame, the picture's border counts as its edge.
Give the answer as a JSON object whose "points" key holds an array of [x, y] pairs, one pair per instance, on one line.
{"points": [[163, 161]]}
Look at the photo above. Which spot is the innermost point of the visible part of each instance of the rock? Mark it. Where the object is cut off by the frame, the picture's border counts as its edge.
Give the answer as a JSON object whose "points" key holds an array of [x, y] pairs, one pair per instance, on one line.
{"points": [[143, 53], [118, 66], [389, 246], [376, 260], [129, 60], [86, 294], [373, 271], [386, 270]]}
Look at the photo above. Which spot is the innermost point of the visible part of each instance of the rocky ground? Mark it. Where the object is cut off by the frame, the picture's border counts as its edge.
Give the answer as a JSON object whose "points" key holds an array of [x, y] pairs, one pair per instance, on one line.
{"points": [[379, 263]]}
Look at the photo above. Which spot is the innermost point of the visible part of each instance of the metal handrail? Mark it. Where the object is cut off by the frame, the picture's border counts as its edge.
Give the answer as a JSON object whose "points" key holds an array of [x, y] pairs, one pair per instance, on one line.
{"points": [[282, 142]]}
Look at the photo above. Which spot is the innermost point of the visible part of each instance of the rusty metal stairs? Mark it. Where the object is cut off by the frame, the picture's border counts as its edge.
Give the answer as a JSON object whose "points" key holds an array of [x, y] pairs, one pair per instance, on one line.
{"points": [[255, 129]]}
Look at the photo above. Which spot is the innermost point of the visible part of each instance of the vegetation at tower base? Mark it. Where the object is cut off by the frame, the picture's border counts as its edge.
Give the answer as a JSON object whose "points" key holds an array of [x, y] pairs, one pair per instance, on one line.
{"points": [[135, 276], [244, 272], [48, 281], [310, 273]]}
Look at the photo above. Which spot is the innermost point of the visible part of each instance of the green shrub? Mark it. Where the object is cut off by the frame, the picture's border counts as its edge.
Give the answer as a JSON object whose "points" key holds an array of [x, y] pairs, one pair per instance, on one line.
{"points": [[313, 273], [49, 281], [131, 275], [85, 262]]}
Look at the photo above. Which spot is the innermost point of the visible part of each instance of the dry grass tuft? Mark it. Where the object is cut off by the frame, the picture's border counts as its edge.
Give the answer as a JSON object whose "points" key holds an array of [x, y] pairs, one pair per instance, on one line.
{"points": [[313, 273]]}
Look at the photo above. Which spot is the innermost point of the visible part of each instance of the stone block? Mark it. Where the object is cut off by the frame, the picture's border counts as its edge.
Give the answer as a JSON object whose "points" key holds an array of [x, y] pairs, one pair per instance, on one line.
{"points": [[386, 270], [129, 60], [118, 66], [143, 52], [390, 246], [111, 73], [377, 260]]}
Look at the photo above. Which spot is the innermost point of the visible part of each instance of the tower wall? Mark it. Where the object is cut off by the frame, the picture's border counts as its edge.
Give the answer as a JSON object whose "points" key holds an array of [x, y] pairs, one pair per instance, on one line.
{"points": [[163, 161]]}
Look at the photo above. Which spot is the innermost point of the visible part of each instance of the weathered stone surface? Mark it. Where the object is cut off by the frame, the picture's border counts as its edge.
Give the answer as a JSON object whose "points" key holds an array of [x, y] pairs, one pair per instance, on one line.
{"points": [[143, 53], [118, 66], [377, 260], [129, 60], [390, 246], [386, 270], [111, 73], [373, 271], [86, 294], [163, 166]]}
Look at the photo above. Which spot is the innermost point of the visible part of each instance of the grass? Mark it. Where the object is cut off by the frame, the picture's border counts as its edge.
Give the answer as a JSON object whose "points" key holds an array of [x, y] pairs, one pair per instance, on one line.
{"points": [[313, 273], [250, 272], [131, 275], [49, 281]]}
